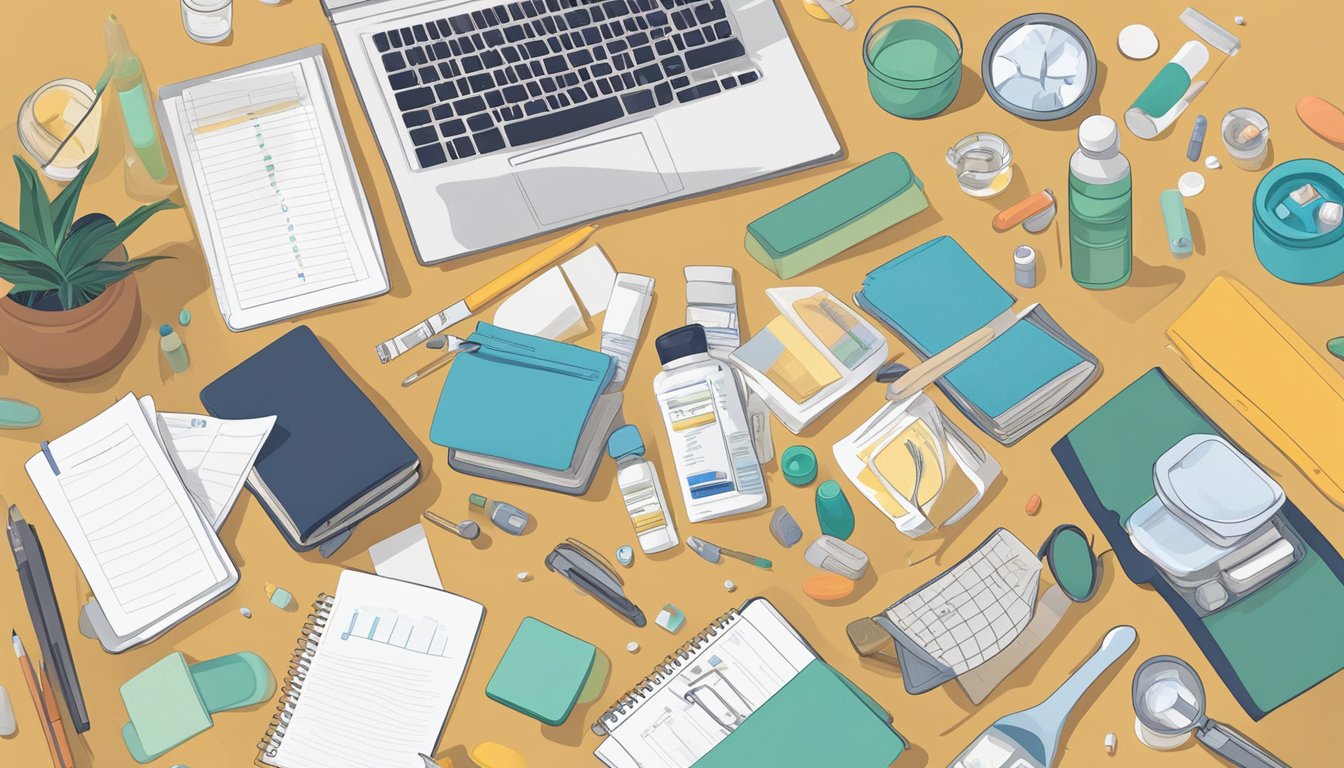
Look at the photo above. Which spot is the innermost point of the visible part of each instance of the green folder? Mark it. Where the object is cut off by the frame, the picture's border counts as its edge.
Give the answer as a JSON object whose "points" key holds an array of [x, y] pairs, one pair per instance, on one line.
{"points": [[542, 672], [817, 719]]}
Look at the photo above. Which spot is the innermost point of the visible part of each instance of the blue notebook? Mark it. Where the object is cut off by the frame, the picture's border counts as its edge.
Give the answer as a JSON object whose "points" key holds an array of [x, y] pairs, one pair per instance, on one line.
{"points": [[935, 295], [520, 398], [332, 459]]}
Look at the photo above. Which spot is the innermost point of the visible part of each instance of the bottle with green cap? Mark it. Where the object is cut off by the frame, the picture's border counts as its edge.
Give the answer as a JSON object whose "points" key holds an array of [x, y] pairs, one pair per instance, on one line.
{"points": [[833, 511], [506, 517], [642, 491], [173, 349]]}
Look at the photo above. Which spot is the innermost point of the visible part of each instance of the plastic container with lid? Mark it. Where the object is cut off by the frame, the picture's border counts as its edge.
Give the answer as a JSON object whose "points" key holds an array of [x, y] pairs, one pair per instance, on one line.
{"points": [[1245, 134], [1289, 251], [702, 409], [1101, 252], [1215, 488], [642, 491]]}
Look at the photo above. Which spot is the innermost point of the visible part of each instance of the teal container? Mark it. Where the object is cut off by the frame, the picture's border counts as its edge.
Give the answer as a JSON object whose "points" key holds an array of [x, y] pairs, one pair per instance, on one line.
{"points": [[913, 58], [1101, 248], [1288, 249], [834, 514]]}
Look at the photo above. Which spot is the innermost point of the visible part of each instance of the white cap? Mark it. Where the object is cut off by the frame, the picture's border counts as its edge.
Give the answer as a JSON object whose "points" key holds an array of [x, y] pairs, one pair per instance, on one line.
{"points": [[1024, 255], [1098, 133]]}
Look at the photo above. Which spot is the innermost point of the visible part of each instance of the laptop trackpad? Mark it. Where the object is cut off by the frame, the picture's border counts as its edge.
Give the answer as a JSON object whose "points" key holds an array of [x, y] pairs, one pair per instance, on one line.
{"points": [[597, 177]]}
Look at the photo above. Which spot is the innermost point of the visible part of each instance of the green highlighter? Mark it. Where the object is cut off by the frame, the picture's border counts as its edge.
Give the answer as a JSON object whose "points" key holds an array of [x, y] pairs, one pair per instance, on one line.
{"points": [[836, 216], [542, 673]]}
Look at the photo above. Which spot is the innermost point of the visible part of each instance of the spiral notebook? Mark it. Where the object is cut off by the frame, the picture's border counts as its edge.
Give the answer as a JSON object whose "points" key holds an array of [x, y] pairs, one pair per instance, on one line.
{"points": [[747, 690], [373, 676]]}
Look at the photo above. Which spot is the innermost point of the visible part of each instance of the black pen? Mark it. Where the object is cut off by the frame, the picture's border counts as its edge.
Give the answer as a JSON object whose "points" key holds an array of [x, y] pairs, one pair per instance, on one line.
{"points": [[46, 614], [614, 600]]}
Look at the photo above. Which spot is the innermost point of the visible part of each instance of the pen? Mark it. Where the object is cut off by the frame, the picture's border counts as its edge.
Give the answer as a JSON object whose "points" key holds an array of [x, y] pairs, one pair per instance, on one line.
{"points": [[759, 562], [45, 702], [455, 345], [619, 603]]}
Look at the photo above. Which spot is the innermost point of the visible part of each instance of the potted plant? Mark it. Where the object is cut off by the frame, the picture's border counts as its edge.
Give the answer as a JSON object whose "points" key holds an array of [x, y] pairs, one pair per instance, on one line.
{"points": [[71, 309]]}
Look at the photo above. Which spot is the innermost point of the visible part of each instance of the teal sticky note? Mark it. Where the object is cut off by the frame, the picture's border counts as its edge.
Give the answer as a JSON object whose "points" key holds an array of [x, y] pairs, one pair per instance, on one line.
{"points": [[164, 705], [542, 672]]}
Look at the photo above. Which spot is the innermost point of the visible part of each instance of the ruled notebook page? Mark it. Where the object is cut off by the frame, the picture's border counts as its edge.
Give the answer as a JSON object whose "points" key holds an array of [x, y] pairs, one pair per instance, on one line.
{"points": [[129, 521], [278, 218], [382, 677]]}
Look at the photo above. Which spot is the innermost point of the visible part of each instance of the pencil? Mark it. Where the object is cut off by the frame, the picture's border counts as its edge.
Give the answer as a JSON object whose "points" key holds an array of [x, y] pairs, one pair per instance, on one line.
{"points": [[45, 703]]}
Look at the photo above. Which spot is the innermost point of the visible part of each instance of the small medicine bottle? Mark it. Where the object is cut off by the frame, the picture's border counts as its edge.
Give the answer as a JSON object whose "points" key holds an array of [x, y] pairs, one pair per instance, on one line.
{"points": [[1024, 266], [173, 349], [641, 490]]}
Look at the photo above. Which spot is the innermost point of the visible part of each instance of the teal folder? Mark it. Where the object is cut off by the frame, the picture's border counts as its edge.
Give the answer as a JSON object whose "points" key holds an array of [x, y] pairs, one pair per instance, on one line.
{"points": [[520, 398], [542, 672], [815, 719]]}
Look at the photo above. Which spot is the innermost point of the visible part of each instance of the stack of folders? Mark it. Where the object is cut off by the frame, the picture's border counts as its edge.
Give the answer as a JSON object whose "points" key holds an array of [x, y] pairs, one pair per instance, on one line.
{"points": [[936, 295], [527, 410], [333, 459], [809, 356]]}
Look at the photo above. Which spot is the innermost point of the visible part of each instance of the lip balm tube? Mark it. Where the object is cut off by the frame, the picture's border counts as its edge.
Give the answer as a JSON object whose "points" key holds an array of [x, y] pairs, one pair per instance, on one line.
{"points": [[1169, 93], [1177, 223]]}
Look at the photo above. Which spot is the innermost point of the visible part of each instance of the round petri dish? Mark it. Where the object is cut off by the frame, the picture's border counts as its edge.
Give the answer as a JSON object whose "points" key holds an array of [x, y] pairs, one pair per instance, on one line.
{"points": [[1040, 66]]}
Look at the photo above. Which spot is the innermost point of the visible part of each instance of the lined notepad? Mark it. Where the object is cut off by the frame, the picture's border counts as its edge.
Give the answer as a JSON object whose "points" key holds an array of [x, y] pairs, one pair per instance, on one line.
{"points": [[378, 668], [148, 554], [265, 168]]}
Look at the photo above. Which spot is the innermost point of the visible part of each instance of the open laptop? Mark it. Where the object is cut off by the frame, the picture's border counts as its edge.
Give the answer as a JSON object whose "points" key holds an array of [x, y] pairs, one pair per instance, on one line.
{"points": [[503, 120]]}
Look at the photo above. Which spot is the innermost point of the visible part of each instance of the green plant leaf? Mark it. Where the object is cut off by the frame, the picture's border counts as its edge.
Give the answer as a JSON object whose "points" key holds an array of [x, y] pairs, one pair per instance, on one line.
{"points": [[80, 248], [34, 205], [35, 250], [103, 274], [63, 207], [95, 249], [24, 280], [26, 261]]}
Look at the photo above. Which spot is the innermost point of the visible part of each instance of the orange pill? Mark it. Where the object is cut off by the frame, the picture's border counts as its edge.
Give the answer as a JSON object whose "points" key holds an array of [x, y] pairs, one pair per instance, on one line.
{"points": [[828, 586], [1033, 504]]}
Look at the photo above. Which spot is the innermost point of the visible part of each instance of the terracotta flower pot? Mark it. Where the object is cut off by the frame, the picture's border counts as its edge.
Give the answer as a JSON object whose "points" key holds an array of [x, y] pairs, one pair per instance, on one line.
{"points": [[78, 343]]}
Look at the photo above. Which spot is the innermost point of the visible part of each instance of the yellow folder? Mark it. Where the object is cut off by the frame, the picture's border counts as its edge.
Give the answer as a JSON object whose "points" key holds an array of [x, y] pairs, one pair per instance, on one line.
{"points": [[1260, 365]]}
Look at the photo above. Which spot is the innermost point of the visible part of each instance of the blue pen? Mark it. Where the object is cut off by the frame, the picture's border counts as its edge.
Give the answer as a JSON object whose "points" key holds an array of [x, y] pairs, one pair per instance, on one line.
{"points": [[1196, 147]]}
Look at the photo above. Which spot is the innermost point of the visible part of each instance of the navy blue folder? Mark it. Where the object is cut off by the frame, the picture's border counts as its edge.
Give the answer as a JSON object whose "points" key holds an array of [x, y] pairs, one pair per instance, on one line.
{"points": [[331, 453]]}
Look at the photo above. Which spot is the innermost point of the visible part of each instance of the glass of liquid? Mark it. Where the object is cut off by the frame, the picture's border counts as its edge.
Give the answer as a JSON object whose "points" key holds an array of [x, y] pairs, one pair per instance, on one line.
{"points": [[49, 116], [207, 21], [913, 58], [984, 164], [1246, 136]]}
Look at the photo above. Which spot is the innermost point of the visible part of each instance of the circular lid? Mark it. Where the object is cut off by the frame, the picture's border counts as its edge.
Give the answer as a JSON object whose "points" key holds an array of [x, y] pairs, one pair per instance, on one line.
{"points": [[625, 441], [1208, 482], [681, 342], [165, 329], [1024, 255], [1190, 184], [1098, 133], [829, 490], [1137, 42], [799, 464]]}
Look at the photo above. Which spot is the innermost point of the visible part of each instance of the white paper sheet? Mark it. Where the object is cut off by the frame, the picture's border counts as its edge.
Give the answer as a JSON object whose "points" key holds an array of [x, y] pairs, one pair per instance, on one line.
{"points": [[592, 276], [406, 556]]}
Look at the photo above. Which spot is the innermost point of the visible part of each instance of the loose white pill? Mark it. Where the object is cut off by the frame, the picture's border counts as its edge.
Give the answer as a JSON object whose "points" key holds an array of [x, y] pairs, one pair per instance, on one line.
{"points": [[729, 585], [632, 647], [1190, 184], [247, 612], [524, 576], [1213, 163]]}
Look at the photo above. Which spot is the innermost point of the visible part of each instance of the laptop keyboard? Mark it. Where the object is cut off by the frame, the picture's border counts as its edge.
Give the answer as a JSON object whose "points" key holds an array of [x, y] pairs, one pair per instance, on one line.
{"points": [[530, 71]]}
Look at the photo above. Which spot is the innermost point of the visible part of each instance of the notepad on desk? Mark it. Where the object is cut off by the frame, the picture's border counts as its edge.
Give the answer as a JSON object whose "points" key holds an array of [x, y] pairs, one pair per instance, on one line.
{"points": [[150, 557], [376, 671], [265, 167]]}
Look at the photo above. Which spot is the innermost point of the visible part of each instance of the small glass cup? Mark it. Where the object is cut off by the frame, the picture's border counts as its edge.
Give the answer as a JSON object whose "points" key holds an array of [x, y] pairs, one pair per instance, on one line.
{"points": [[208, 21], [48, 117], [1246, 136], [984, 164], [913, 58]]}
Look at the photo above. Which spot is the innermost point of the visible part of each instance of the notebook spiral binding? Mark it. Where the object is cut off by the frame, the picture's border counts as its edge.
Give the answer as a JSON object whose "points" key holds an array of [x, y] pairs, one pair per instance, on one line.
{"points": [[295, 675], [665, 669]]}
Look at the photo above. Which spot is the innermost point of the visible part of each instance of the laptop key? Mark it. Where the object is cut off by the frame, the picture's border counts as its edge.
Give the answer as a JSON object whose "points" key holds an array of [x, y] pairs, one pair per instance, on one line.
{"points": [[711, 11], [404, 79], [514, 94], [643, 55], [423, 136], [416, 57], [381, 42], [748, 77], [421, 36], [463, 148], [480, 122], [394, 38], [550, 126], [697, 92], [648, 75], [430, 156], [713, 54], [452, 128], [414, 119], [469, 105], [415, 98], [489, 141], [723, 29], [443, 111], [393, 61], [662, 93], [535, 107], [494, 99], [480, 82], [428, 75], [638, 101]]}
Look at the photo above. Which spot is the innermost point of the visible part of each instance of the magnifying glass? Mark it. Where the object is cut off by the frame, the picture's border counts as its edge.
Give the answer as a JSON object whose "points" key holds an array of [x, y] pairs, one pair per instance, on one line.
{"points": [[1169, 705], [1072, 562]]}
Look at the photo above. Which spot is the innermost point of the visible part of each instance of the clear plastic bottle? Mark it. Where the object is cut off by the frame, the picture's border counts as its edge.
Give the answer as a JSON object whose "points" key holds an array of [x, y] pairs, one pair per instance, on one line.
{"points": [[642, 491], [144, 150], [173, 349], [1101, 249], [702, 409]]}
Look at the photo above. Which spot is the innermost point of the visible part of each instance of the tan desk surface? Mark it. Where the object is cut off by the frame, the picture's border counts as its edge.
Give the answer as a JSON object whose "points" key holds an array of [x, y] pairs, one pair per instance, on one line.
{"points": [[1290, 50]]}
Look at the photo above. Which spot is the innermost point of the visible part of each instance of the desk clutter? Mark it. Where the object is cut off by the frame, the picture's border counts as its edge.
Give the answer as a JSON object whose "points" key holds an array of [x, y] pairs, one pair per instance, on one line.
{"points": [[536, 118]]}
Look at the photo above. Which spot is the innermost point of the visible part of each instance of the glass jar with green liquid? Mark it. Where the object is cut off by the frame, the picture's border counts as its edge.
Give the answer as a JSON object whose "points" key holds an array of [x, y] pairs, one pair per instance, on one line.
{"points": [[1101, 249], [128, 80]]}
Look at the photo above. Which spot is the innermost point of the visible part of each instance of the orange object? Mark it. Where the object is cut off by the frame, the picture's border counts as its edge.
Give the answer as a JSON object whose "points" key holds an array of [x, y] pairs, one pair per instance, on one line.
{"points": [[1016, 214], [47, 708], [828, 586], [1033, 505], [1323, 118]]}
